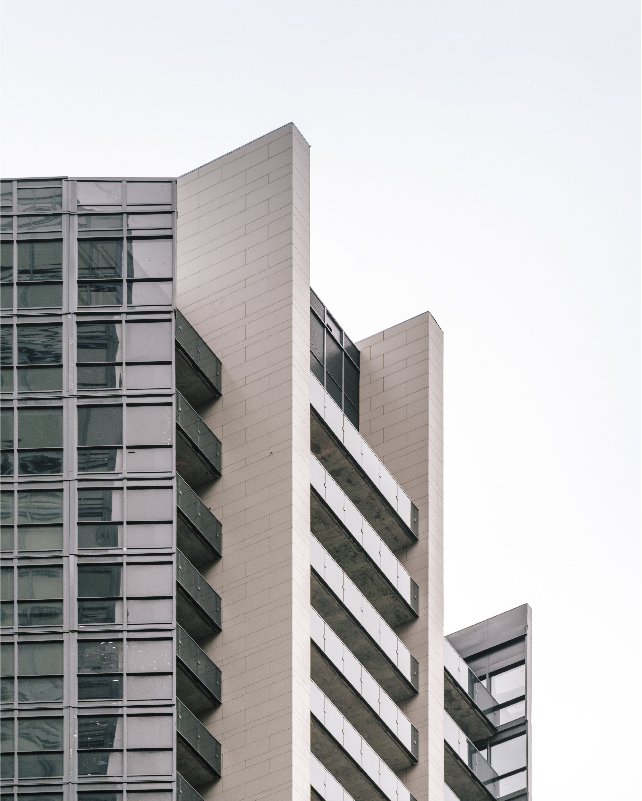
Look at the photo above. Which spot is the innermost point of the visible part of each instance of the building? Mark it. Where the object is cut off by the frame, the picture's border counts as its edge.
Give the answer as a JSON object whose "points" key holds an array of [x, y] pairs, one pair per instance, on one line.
{"points": [[221, 518]]}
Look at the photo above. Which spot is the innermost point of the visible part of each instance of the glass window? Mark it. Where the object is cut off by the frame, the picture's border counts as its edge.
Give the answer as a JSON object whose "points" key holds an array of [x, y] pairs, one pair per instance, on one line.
{"points": [[40, 199], [40, 427], [100, 656], [40, 658], [149, 258], [149, 731], [100, 425], [149, 293], [100, 763], [509, 755], [100, 222], [150, 504], [512, 712], [6, 261], [39, 344], [100, 376], [40, 261], [40, 520], [509, 684], [149, 656], [40, 734], [99, 581], [141, 193], [50, 222], [150, 425], [34, 296], [105, 294], [149, 221], [150, 580], [149, 342], [149, 376], [148, 688], [99, 504], [100, 258], [6, 584], [6, 195], [6, 427], [99, 193], [103, 796], [149, 535], [99, 342], [334, 361], [37, 583], [105, 731]]}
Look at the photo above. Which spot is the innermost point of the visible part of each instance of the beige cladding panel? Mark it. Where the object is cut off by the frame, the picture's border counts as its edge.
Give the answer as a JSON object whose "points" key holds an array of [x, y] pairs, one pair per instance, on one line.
{"points": [[401, 418], [244, 283]]}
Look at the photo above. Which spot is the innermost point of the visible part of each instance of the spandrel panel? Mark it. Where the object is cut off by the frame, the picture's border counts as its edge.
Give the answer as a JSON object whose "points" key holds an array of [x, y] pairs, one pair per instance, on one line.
{"points": [[100, 425], [99, 193], [150, 504], [150, 425], [99, 342], [149, 258], [100, 258], [150, 656], [39, 344], [99, 581], [40, 427], [100, 656], [99, 504], [40, 261], [150, 580], [142, 193], [149, 342], [35, 583]]}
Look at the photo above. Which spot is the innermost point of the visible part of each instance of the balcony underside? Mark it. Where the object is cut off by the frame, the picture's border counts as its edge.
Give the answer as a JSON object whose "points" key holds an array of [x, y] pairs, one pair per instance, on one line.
{"points": [[193, 692], [192, 463], [371, 656], [465, 712], [185, 791], [357, 486], [190, 541], [461, 780], [193, 617], [353, 706], [192, 382], [356, 563], [193, 767], [345, 770]]}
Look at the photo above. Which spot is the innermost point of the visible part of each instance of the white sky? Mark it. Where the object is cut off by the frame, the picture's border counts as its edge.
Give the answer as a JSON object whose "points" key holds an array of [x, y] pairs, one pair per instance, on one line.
{"points": [[477, 158]]}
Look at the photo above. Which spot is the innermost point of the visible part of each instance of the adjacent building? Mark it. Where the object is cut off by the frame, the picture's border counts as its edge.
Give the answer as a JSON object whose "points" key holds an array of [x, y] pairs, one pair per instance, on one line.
{"points": [[222, 529]]}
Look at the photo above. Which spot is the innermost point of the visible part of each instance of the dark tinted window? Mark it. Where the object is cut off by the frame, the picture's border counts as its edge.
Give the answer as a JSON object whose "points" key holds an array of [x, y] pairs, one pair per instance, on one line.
{"points": [[39, 344], [99, 342], [100, 258], [40, 427], [99, 581], [40, 261], [100, 425]]}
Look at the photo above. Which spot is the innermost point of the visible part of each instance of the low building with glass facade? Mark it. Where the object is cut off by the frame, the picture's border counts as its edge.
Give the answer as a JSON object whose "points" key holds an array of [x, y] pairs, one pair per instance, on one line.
{"points": [[222, 518]]}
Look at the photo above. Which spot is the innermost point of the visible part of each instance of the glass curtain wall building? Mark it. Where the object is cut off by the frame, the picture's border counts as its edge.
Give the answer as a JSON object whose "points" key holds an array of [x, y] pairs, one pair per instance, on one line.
{"points": [[222, 518]]}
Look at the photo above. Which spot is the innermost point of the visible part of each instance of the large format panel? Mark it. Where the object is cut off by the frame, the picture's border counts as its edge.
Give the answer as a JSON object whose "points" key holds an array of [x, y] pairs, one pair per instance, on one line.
{"points": [[401, 419], [243, 263]]}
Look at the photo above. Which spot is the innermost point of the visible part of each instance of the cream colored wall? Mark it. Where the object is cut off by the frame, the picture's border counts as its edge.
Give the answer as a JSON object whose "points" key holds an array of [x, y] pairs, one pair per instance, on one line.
{"points": [[401, 418], [244, 283]]}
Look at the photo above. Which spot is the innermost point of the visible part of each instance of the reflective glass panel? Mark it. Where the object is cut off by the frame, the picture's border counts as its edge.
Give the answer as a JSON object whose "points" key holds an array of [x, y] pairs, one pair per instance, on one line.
{"points": [[149, 687], [100, 294], [39, 379], [6, 195], [509, 684], [40, 199], [6, 507], [100, 460], [40, 427], [40, 506], [41, 462], [40, 261], [99, 193], [100, 763], [99, 222], [100, 376], [93, 687], [6, 296], [100, 535], [149, 342], [100, 258], [149, 656], [150, 580], [34, 296], [6, 261], [6, 344], [149, 293], [39, 582], [40, 734], [51, 222], [149, 376], [100, 425], [99, 581], [149, 258], [141, 193], [100, 656], [99, 342], [150, 425], [40, 658], [41, 613], [6, 427], [509, 755], [149, 220], [6, 583], [39, 344], [91, 613], [104, 731], [40, 538], [6, 659], [150, 504], [39, 690], [99, 504]]}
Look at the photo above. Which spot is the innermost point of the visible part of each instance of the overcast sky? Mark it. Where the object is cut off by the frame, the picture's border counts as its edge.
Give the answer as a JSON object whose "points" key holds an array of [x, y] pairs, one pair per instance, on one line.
{"points": [[476, 158]]}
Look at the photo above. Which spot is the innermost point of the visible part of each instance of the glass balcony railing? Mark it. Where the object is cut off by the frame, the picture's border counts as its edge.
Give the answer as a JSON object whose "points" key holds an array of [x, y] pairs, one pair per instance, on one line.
{"points": [[198, 450], [201, 596], [198, 370], [356, 747], [362, 610], [464, 676], [324, 783], [199, 740], [185, 791], [198, 664], [200, 538], [328, 489], [467, 752], [373, 695]]}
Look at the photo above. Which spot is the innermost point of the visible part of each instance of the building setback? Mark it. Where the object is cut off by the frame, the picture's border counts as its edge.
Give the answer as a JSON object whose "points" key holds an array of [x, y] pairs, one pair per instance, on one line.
{"points": [[222, 519]]}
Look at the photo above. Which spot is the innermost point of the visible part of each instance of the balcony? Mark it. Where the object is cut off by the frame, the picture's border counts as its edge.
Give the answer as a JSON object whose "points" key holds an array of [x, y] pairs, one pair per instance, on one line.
{"points": [[198, 531], [198, 451], [366, 705], [466, 771], [185, 791], [198, 607], [198, 680], [347, 756], [323, 785], [359, 472], [198, 754], [353, 618], [198, 370], [363, 555], [466, 699]]}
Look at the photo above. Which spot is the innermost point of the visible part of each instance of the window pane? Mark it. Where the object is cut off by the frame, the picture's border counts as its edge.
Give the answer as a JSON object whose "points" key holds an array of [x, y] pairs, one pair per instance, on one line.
{"points": [[6, 613], [149, 376], [6, 464], [149, 536], [40, 261], [508, 755], [42, 613], [100, 258], [156, 610], [99, 581], [150, 425], [40, 690], [6, 583], [40, 658], [6, 344], [6, 261], [150, 580], [6, 296], [6, 427], [148, 688], [40, 734], [351, 376], [92, 687], [40, 506], [6, 736], [334, 360], [148, 293], [149, 656], [105, 731], [150, 731], [100, 294], [6, 195], [99, 193], [509, 684], [100, 460], [92, 613], [141, 193], [99, 376], [6, 379], [39, 582], [51, 222], [6, 224], [100, 656], [34, 296], [99, 342], [40, 538], [6, 659], [100, 425], [94, 222], [100, 763], [41, 199], [149, 258], [40, 427], [6, 507], [97, 504], [149, 342], [39, 379], [150, 460], [6, 538], [103, 796], [150, 504], [149, 220], [101, 535], [39, 766], [39, 344], [6, 696], [32, 463]]}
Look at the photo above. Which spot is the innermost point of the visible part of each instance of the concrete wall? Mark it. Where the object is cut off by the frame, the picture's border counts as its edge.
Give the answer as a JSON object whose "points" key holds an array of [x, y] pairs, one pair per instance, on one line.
{"points": [[244, 284], [401, 417]]}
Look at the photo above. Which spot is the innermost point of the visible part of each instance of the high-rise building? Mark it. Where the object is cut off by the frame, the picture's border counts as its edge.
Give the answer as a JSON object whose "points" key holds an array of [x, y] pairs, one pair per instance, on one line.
{"points": [[222, 518]]}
